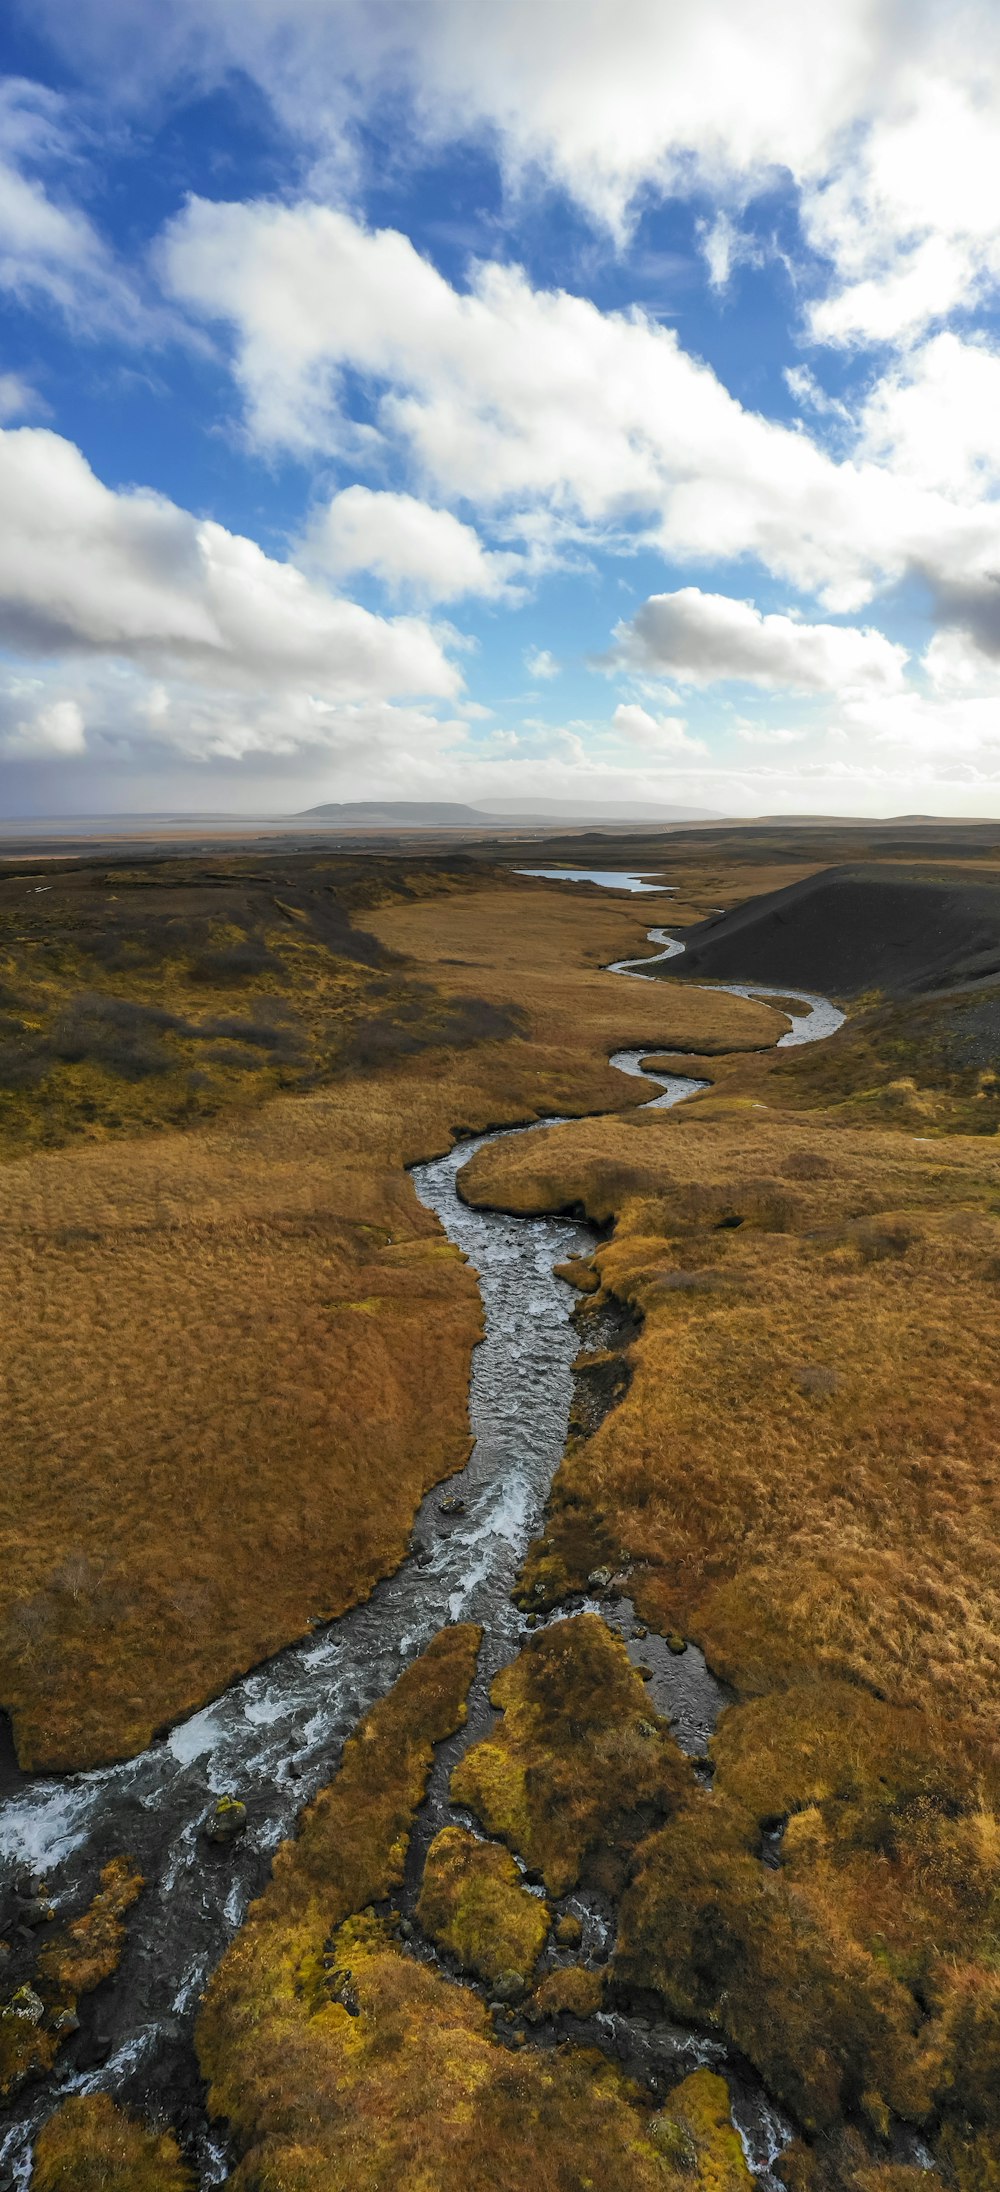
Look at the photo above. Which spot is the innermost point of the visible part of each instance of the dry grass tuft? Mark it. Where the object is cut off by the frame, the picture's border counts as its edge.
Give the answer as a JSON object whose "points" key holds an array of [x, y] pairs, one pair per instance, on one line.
{"points": [[90, 2145]]}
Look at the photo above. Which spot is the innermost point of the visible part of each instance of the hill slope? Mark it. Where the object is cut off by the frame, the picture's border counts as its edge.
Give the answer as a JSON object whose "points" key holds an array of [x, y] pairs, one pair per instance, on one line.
{"points": [[851, 929]]}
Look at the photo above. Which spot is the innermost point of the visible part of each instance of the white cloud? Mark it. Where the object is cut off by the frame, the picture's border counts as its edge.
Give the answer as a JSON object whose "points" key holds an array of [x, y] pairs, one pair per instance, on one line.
{"points": [[410, 546], [539, 662], [701, 638], [133, 575], [638, 93], [935, 417], [754, 736], [887, 119], [526, 401], [18, 400], [49, 248], [723, 247], [56, 729], [664, 733], [908, 213]]}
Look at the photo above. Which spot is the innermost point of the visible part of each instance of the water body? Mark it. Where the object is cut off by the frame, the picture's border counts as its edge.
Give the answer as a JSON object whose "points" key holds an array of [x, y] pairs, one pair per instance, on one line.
{"points": [[608, 878], [274, 1737]]}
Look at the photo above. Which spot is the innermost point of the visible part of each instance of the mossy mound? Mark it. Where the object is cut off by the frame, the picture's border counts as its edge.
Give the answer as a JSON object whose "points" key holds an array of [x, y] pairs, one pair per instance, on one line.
{"points": [[472, 1902], [860, 1976], [341, 2060], [572, 1989], [695, 2134], [580, 1768], [89, 2145]]}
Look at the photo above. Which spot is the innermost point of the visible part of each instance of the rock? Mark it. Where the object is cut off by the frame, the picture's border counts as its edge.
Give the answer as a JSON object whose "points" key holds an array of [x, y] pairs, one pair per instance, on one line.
{"points": [[569, 1930], [676, 1643], [452, 1505], [94, 2050], [25, 2003], [226, 1823], [65, 2022], [579, 1274], [406, 1929], [639, 1634], [509, 1987], [34, 1911], [643, 1669], [599, 1579], [531, 1621]]}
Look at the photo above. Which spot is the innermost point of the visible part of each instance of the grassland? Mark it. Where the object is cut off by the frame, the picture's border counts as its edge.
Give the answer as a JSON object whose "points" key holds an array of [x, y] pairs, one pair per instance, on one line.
{"points": [[801, 1476], [236, 1287], [237, 1354]]}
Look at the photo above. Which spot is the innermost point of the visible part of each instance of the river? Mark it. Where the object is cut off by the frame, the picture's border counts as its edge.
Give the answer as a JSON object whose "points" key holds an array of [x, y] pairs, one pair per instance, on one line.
{"points": [[274, 1737]]}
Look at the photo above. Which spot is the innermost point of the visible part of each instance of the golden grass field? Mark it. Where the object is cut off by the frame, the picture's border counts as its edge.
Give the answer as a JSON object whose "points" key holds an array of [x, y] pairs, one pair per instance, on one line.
{"points": [[241, 1349], [802, 1477], [238, 1355]]}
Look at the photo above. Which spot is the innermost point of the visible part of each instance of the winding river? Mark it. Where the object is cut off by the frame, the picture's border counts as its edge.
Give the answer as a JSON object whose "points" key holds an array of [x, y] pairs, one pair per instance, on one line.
{"points": [[274, 1737]]}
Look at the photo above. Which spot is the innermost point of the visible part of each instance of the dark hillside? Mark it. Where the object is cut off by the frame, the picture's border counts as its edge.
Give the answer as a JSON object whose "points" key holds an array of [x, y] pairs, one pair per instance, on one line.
{"points": [[846, 930]]}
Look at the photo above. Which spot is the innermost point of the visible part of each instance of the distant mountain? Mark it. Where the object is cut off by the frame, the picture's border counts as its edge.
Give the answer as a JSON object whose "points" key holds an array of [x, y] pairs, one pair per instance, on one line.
{"points": [[421, 814], [450, 814]]}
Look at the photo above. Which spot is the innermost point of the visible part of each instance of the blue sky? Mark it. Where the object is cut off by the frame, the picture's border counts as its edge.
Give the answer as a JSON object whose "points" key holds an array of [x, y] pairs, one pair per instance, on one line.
{"points": [[594, 403]]}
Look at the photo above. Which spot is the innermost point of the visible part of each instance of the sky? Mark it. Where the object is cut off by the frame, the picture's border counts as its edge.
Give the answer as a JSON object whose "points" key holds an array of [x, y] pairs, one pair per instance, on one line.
{"points": [[582, 401]]}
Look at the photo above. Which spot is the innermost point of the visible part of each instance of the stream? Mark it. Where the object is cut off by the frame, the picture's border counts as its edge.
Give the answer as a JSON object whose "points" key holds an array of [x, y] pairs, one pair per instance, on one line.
{"points": [[274, 1737]]}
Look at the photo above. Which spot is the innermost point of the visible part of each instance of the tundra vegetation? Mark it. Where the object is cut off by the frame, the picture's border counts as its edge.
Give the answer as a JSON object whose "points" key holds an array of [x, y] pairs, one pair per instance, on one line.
{"points": [[790, 1460], [340, 2058], [260, 1299]]}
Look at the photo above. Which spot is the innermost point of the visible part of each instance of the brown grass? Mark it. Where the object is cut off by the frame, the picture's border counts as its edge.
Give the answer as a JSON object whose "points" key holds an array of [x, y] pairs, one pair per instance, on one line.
{"points": [[802, 1476], [803, 1471], [580, 1767], [472, 1903], [542, 950], [341, 2061], [90, 2145], [242, 1357], [237, 1357]]}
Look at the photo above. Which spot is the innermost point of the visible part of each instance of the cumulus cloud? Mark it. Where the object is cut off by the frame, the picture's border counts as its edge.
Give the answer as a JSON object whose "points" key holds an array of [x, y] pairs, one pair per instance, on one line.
{"points": [[935, 417], [701, 639], [887, 120], [539, 662], [84, 569], [522, 399], [664, 733], [409, 545]]}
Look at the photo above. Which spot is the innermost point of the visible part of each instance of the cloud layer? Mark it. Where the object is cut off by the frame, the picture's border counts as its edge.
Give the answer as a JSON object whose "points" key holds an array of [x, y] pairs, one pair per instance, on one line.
{"points": [[700, 639]]}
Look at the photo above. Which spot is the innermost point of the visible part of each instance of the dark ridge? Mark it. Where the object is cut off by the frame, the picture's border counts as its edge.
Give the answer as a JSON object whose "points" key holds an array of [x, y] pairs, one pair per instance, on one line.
{"points": [[903, 931]]}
